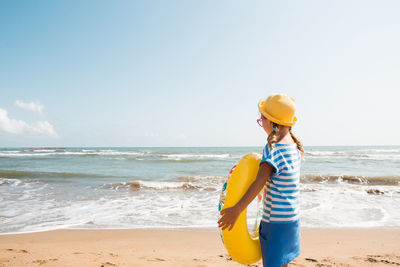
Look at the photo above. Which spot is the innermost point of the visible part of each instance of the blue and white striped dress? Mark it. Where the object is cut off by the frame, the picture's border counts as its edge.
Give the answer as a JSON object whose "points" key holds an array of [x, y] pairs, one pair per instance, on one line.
{"points": [[280, 224]]}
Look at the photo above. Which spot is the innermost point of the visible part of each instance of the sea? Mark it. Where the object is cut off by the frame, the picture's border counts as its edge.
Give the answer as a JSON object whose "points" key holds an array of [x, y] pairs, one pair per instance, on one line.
{"points": [[179, 187]]}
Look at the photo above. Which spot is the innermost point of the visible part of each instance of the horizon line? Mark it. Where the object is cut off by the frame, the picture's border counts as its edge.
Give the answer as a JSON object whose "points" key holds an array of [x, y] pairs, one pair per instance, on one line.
{"points": [[61, 147]]}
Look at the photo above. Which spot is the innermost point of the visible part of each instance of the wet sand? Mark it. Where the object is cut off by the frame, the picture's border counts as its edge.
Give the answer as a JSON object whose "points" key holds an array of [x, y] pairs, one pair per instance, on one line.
{"points": [[320, 247]]}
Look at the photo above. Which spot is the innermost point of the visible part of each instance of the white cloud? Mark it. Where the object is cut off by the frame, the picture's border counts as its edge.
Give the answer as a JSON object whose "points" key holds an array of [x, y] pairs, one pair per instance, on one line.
{"points": [[31, 106], [14, 126]]}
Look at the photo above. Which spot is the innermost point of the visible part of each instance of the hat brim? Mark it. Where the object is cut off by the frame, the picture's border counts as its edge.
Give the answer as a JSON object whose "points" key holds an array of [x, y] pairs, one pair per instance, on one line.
{"points": [[271, 118]]}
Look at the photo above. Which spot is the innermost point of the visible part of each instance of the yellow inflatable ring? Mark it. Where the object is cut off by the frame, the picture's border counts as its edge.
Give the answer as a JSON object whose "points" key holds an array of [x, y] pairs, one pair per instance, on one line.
{"points": [[241, 245]]}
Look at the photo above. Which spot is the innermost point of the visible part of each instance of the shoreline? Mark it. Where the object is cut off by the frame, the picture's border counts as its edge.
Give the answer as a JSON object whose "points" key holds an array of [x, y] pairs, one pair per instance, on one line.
{"points": [[196, 229], [194, 247]]}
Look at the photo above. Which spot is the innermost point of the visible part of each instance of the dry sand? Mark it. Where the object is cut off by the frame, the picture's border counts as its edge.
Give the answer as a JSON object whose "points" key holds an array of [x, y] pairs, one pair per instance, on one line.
{"points": [[320, 247]]}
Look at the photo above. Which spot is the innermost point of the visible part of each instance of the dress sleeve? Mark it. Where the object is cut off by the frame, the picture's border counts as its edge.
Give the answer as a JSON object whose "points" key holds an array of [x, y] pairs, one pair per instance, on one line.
{"points": [[267, 157]]}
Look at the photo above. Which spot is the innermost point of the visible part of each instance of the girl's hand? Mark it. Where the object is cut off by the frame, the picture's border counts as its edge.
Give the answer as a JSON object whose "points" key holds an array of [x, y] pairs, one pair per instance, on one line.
{"points": [[229, 217]]}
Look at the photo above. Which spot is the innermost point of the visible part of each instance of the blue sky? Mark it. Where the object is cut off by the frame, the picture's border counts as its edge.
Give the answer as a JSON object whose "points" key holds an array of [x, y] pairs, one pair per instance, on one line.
{"points": [[190, 73]]}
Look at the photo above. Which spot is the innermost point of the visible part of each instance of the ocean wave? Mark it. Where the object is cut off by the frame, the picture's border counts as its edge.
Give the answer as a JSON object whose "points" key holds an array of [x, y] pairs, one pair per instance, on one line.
{"points": [[6, 181], [364, 154], [155, 157], [18, 154], [37, 174], [212, 179], [44, 150], [138, 185], [319, 153], [120, 153], [381, 150], [16, 182], [117, 154], [352, 179], [83, 152], [195, 156]]}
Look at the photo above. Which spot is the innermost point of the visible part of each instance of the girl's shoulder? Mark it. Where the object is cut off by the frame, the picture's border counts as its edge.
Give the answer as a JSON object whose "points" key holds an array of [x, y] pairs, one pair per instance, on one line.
{"points": [[278, 150], [284, 146], [279, 146], [284, 150]]}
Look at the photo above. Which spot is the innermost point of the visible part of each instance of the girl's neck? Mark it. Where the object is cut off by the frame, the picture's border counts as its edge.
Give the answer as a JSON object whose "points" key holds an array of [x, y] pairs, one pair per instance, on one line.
{"points": [[285, 137]]}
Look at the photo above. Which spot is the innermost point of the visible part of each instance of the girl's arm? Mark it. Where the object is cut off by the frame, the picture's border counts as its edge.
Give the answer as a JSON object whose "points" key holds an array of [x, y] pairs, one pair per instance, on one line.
{"points": [[230, 215]]}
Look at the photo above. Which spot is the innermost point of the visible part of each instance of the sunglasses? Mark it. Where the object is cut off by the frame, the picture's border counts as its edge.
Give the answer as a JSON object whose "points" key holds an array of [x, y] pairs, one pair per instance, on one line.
{"points": [[259, 121]]}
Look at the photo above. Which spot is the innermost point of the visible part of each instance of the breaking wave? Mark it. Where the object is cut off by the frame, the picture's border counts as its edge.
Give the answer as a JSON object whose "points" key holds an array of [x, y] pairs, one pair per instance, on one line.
{"points": [[38, 174], [352, 179], [138, 185]]}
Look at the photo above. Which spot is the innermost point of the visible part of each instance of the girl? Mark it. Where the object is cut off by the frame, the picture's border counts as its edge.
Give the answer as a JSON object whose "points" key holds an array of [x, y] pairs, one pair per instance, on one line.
{"points": [[279, 172]]}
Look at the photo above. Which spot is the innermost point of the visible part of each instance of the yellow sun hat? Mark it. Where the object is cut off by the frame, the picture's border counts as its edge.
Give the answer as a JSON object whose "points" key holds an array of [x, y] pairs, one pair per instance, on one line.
{"points": [[279, 108]]}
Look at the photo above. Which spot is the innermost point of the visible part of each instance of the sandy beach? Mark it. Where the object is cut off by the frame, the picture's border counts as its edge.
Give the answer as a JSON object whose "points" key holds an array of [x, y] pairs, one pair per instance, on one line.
{"points": [[320, 247]]}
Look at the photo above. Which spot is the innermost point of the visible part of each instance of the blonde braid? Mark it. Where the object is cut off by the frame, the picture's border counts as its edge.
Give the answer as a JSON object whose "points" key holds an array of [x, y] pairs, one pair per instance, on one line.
{"points": [[273, 137], [297, 141]]}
